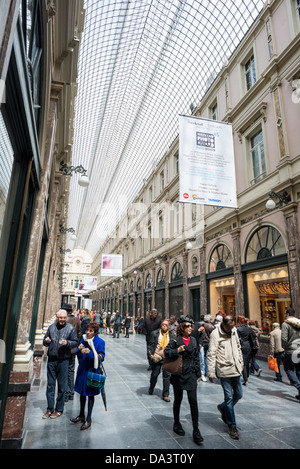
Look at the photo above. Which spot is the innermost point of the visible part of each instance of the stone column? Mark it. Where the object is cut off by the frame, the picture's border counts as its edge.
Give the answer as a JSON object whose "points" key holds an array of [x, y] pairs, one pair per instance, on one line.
{"points": [[185, 292], [153, 287], [167, 294], [203, 283], [293, 251], [237, 272]]}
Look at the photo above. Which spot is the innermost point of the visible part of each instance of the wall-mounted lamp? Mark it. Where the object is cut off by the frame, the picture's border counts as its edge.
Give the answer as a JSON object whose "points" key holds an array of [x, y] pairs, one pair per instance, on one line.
{"points": [[161, 258], [63, 251], [284, 198], [189, 244], [69, 170]]}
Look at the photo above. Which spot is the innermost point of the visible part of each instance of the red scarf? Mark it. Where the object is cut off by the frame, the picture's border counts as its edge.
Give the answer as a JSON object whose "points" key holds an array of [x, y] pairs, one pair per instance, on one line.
{"points": [[186, 340]]}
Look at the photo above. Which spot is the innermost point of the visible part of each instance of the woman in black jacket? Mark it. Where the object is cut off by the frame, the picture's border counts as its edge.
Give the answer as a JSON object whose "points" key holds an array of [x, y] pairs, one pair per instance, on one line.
{"points": [[187, 346]]}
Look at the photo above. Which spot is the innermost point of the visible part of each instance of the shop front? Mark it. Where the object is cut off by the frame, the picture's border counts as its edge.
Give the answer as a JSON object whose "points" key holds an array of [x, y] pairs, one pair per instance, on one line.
{"points": [[266, 278]]}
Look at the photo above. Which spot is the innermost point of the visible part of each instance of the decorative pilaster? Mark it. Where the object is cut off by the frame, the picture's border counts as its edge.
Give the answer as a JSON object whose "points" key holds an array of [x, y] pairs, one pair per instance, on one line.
{"points": [[237, 272], [293, 251], [203, 282]]}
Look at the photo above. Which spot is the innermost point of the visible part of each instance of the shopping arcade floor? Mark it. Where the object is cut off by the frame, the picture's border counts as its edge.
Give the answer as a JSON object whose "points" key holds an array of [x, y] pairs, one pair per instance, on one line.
{"points": [[268, 416]]}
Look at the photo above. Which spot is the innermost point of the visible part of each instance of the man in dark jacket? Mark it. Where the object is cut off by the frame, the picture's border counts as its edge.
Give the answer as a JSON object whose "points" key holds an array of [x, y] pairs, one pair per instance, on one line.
{"points": [[151, 324], [60, 339], [117, 322], [159, 339], [127, 323]]}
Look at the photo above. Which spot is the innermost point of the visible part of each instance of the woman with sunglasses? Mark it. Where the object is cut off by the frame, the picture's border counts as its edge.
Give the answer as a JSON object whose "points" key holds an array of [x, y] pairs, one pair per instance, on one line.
{"points": [[187, 346]]}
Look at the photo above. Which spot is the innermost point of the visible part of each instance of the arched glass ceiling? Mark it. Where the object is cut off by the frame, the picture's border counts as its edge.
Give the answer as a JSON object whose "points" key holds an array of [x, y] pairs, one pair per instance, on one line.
{"points": [[141, 64]]}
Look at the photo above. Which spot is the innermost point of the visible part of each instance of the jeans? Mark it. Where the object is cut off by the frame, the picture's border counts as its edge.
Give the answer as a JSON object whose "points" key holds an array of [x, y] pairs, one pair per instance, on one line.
{"points": [[202, 361], [117, 328], [57, 371], [233, 392], [292, 370]]}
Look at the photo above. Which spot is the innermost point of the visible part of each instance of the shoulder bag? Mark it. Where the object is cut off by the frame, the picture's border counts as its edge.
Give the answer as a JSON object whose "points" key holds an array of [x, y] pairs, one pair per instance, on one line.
{"points": [[173, 366]]}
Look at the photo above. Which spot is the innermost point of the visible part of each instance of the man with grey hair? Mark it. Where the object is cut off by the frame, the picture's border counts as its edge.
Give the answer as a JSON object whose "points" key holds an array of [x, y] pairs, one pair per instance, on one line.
{"points": [[173, 324], [60, 338]]}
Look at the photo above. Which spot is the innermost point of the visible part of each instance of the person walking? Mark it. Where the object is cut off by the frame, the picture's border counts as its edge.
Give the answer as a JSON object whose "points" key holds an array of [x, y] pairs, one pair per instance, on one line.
{"points": [[85, 319], [60, 339], [89, 351], [158, 341], [290, 341], [248, 345], [151, 323], [173, 324], [74, 320], [225, 355], [117, 324], [276, 349], [254, 366], [199, 334], [127, 323], [208, 328], [185, 345]]}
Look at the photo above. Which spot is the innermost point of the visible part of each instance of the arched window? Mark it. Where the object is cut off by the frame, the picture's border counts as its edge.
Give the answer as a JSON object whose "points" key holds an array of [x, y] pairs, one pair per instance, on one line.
{"points": [[139, 285], [131, 287], [148, 282], [160, 279], [265, 242], [177, 272], [220, 258], [125, 288]]}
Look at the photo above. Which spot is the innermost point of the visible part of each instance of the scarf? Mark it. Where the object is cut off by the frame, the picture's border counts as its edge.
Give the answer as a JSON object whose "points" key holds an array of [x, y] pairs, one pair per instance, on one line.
{"points": [[164, 341], [91, 344]]}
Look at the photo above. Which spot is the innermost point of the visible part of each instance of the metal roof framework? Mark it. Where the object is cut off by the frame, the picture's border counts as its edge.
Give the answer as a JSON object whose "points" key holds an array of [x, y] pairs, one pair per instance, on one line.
{"points": [[141, 64]]}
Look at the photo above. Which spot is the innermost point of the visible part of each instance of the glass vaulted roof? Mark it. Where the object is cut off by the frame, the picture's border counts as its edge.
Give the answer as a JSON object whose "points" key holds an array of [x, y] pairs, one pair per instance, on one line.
{"points": [[141, 64]]}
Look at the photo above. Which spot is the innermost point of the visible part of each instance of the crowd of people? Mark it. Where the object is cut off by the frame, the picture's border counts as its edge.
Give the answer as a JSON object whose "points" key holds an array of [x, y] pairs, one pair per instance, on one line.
{"points": [[224, 348]]}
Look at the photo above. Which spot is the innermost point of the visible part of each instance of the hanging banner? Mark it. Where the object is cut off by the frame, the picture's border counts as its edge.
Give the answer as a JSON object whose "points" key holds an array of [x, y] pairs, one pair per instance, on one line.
{"points": [[90, 283], [206, 162], [111, 265]]}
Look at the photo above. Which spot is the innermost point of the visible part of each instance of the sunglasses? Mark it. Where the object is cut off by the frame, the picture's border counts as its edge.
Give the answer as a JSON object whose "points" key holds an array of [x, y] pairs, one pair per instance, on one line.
{"points": [[187, 325]]}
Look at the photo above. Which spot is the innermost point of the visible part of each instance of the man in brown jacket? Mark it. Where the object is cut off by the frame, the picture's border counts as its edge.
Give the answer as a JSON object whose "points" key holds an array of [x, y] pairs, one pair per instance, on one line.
{"points": [[276, 349]]}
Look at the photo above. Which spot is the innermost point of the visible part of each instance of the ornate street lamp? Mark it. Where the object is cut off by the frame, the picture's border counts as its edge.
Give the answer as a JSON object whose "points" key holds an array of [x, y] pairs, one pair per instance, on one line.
{"points": [[284, 198], [69, 170]]}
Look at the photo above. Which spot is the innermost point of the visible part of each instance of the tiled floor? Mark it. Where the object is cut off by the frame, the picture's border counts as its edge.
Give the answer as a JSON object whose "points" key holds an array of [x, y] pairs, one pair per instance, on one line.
{"points": [[268, 416]]}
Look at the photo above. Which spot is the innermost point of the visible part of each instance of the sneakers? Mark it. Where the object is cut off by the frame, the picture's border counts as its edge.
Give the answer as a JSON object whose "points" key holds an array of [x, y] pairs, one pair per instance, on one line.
{"points": [[204, 378], [259, 372], [177, 428], [233, 432]]}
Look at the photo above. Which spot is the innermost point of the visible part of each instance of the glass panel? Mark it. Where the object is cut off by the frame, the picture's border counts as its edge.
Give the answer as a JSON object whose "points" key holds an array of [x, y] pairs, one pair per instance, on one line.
{"points": [[265, 242], [6, 164], [141, 64]]}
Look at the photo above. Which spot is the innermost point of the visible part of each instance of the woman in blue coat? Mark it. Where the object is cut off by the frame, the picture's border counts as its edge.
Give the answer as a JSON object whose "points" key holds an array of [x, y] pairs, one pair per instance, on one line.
{"points": [[90, 350]]}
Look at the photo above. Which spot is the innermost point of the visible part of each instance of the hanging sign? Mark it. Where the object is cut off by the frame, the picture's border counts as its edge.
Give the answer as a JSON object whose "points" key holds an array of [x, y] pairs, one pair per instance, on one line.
{"points": [[206, 162]]}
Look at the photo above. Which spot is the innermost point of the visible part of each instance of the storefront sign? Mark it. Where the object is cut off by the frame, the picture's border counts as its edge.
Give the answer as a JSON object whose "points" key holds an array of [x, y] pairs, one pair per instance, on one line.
{"points": [[206, 162]]}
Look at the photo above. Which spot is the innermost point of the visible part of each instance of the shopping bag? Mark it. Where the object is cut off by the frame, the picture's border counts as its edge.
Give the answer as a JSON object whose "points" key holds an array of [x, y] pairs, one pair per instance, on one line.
{"points": [[272, 364]]}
